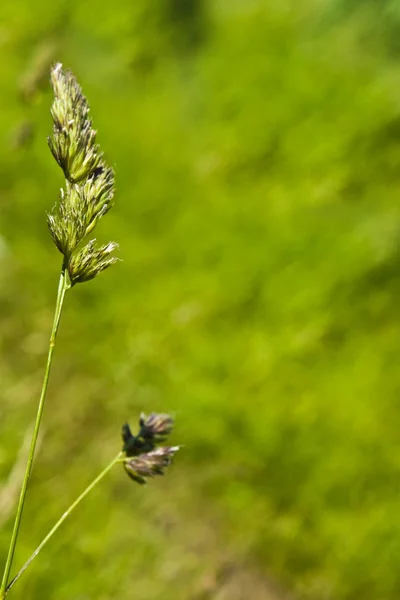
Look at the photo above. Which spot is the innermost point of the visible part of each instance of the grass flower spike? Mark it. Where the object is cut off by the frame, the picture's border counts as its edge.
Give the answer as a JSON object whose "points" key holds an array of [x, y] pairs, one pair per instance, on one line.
{"points": [[89, 185]]}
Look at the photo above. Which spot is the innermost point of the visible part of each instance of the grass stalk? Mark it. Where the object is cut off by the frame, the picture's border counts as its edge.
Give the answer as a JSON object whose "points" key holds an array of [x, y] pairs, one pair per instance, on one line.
{"points": [[64, 284], [69, 510]]}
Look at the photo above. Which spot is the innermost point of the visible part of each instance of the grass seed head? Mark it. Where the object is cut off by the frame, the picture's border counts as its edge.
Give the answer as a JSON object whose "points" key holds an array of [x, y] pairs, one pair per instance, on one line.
{"points": [[89, 186], [143, 459]]}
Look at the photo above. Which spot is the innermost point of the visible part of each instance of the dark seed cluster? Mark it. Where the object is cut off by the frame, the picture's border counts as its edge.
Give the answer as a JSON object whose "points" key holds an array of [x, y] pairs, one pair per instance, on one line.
{"points": [[143, 459]]}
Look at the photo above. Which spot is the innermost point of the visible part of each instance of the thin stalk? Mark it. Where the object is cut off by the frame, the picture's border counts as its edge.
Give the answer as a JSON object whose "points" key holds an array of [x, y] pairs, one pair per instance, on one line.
{"points": [[62, 288], [64, 516]]}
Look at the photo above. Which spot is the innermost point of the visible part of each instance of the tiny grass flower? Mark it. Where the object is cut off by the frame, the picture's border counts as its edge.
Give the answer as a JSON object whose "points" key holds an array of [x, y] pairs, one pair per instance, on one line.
{"points": [[149, 464], [90, 261]]}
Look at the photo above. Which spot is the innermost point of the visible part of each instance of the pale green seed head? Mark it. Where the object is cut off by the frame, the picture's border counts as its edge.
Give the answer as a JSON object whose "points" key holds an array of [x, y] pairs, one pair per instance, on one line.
{"points": [[89, 186]]}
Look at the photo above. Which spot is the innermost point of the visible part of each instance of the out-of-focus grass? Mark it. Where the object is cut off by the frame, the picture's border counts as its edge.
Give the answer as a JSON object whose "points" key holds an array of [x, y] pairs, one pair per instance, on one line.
{"points": [[257, 153]]}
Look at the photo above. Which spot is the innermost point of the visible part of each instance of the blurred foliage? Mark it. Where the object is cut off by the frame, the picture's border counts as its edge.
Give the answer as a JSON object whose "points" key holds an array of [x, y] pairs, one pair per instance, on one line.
{"points": [[257, 153]]}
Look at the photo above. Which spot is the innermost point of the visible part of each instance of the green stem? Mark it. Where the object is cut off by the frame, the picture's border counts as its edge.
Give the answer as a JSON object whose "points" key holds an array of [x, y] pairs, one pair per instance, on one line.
{"points": [[62, 288], [64, 516]]}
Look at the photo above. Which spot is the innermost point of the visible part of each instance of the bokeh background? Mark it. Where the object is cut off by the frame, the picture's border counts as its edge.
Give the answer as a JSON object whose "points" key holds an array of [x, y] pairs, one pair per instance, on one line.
{"points": [[256, 147]]}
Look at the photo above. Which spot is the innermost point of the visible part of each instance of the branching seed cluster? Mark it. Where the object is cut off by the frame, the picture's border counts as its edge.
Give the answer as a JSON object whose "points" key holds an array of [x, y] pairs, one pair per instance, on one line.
{"points": [[89, 182]]}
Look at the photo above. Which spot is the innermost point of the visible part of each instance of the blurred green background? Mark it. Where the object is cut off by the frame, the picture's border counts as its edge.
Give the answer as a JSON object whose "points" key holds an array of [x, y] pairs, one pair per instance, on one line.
{"points": [[257, 153]]}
